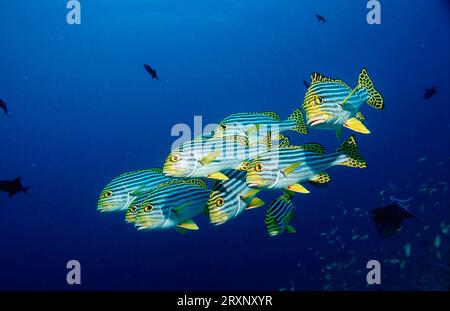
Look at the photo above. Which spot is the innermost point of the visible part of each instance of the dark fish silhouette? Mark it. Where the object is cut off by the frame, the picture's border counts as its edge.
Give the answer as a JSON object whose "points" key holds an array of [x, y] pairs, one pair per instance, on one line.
{"points": [[388, 219], [151, 71], [3, 106], [13, 187], [430, 92], [306, 84], [321, 18]]}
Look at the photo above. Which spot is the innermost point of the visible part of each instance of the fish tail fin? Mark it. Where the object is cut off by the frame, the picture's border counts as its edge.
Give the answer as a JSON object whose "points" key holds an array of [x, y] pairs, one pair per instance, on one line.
{"points": [[350, 149], [375, 99], [300, 124]]}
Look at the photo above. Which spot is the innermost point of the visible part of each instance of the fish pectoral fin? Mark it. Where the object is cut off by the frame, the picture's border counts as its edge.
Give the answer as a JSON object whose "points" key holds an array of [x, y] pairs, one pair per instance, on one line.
{"points": [[288, 170], [255, 203], [188, 224], [249, 195], [210, 157], [218, 176], [356, 125], [321, 178], [298, 188], [290, 229]]}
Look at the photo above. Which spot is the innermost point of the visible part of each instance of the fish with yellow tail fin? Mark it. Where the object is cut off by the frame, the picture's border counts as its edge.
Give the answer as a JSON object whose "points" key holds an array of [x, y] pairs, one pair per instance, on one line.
{"points": [[173, 205], [279, 214], [331, 104], [229, 198], [287, 168], [255, 125]]}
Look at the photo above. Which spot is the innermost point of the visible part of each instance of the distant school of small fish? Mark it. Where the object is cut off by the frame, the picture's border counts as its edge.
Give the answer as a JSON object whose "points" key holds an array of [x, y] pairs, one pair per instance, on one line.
{"points": [[247, 153]]}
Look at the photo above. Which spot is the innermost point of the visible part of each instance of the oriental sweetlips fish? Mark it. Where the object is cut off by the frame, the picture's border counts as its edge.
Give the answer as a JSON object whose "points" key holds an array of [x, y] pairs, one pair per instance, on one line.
{"points": [[331, 104], [207, 157], [286, 168], [120, 192], [229, 198], [250, 124], [279, 214], [131, 213], [173, 204]]}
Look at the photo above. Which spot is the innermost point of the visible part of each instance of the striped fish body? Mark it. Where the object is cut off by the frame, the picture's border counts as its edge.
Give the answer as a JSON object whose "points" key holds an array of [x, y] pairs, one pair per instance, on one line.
{"points": [[118, 193], [256, 125], [170, 205], [225, 201], [322, 104], [279, 214], [202, 157], [267, 171]]}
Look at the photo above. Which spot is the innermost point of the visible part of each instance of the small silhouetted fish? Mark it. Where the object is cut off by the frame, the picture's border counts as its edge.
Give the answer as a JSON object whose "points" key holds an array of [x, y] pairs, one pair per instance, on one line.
{"points": [[3, 106], [321, 18], [430, 92], [151, 71], [389, 219], [306, 84], [13, 187]]}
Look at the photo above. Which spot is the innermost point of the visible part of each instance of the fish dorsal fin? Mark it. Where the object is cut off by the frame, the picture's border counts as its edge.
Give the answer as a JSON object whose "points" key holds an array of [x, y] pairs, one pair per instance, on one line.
{"points": [[271, 114], [196, 182], [360, 116], [284, 142], [313, 147], [188, 224], [317, 77], [156, 170], [321, 178]]}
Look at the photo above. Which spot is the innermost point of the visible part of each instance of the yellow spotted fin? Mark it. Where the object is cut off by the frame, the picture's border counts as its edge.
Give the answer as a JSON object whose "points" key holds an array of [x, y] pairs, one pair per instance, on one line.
{"points": [[360, 116], [298, 188], [188, 224], [313, 147], [350, 148], [288, 170], [300, 124], [356, 125], [321, 178], [284, 143], [271, 114], [317, 78], [376, 100]]}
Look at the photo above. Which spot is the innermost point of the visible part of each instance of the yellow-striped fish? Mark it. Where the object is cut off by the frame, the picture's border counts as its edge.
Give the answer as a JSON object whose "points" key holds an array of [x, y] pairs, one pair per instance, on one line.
{"points": [[331, 104]]}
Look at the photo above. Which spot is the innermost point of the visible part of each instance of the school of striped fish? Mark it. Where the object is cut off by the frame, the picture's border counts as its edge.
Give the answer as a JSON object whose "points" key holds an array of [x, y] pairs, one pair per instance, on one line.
{"points": [[246, 154]]}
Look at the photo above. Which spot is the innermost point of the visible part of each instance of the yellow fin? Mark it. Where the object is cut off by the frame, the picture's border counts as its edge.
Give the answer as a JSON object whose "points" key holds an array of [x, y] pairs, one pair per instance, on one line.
{"points": [[321, 178], [360, 116], [271, 114], [298, 188], [350, 148], [255, 202], [313, 147], [284, 142], [300, 124], [356, 125], [210, 157], [188, 224], [376, 100], [249, 195], [218, 176], [317, 77], [288, 170], [290, 229]]}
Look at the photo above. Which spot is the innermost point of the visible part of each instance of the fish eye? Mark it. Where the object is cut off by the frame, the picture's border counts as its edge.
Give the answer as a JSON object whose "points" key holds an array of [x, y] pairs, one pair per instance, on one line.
{"points": [[258, 167], [133, 208], [318, 100], [220, 202], [174, 158], [148, 208], [223, 127], [108, 194]]}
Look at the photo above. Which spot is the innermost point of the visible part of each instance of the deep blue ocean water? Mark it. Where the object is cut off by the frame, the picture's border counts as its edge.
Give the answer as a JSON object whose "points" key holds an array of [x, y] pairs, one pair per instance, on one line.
{"points": [[83, 110]]}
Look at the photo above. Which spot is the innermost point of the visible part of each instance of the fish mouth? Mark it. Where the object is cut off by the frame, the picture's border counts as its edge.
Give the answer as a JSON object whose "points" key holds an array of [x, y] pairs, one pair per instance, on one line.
{"points": [[253, 185], [316, 121]]}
